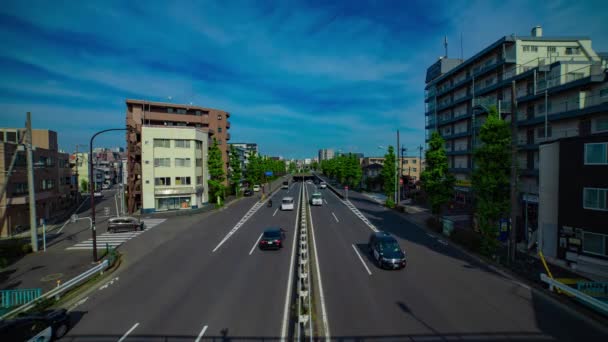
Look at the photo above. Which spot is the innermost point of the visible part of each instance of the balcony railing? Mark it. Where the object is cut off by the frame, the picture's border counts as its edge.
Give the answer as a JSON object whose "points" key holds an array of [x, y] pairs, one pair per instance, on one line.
{"points": [[572, 104]]}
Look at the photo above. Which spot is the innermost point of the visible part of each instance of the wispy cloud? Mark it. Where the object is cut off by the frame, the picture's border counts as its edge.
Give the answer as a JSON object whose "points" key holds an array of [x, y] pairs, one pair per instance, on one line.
{"points": [[295, 76]]}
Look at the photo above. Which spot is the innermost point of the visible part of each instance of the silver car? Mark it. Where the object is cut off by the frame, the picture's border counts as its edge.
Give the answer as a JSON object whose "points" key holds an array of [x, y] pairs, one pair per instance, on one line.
{"points": [[124, 223]]}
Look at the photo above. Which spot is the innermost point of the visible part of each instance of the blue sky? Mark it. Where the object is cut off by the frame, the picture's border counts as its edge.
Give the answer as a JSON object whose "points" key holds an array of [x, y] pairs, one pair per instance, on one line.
{"points": [[296, 76]]}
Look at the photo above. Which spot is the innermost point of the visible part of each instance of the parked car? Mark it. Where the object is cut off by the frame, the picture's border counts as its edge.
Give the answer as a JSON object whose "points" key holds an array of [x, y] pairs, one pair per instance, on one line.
{"points": [[386, 251], [285, 185], [287, 203], [46, 326], [316, 199], [248, 192], [256, 188], [272, 238], [323, 185], [98, 194], [124, 223]]}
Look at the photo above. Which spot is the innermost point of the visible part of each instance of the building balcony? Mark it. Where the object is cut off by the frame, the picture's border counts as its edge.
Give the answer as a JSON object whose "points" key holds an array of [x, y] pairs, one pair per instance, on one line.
{"points": [[173, 117], [567, 110], [459, 170], [227, 136], [227, 124], [456, 135]]}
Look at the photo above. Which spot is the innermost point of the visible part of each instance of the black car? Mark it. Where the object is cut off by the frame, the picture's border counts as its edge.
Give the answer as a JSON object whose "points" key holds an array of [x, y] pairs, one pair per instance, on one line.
{"points": [[43, 327], [272, 238], [248, 192], [386, 251]]}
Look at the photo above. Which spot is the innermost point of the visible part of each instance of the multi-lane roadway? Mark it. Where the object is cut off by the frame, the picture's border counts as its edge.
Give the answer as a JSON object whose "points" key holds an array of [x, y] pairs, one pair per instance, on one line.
{"points": [[203, 278]]}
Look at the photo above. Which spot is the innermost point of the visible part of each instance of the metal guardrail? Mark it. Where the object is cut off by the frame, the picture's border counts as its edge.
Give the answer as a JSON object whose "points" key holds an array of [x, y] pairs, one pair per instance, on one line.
{"points": [[303, 285], [59, 290], [10, 298], [581, 296]]}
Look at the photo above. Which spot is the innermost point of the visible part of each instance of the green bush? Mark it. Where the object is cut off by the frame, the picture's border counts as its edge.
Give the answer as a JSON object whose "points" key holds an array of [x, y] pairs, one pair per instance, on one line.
{"points": [[467, 238], [389, 203]]}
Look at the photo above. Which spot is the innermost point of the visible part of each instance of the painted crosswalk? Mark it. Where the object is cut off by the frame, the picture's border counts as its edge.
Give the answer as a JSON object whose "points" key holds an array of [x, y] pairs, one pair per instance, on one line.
{"points": [[116, 239]]}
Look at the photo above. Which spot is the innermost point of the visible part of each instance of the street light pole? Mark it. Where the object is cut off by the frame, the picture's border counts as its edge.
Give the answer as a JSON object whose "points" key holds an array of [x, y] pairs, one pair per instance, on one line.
{"points": [[92, 188]]}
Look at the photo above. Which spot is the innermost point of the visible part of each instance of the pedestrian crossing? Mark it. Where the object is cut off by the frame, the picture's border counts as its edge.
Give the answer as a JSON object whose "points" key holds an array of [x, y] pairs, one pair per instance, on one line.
{"points": [[116, 239]]}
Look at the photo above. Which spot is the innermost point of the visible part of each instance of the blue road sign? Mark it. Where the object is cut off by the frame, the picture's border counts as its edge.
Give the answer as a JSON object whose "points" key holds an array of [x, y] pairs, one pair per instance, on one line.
{"points": [[268, 173]]}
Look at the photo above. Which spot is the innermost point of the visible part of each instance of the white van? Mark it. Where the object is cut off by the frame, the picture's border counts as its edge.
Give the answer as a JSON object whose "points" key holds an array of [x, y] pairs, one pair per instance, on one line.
{"points": [[287, 203]]}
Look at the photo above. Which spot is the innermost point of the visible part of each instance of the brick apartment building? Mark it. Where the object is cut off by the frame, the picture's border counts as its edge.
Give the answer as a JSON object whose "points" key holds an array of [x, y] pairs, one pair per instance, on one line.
{"points": [[142, 113]]}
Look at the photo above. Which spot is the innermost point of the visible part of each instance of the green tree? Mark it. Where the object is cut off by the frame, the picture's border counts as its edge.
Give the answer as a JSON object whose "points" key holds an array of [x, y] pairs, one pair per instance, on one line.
{"points": [[292, 167], [490, 178], [254, 169], [388, 173], [236, 172], [216, 173], [437, 182], [84, 185], [314, 166]]}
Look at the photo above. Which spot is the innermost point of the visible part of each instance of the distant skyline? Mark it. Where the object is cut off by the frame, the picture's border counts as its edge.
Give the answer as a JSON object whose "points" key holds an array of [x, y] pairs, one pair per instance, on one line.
{"points": [[296, 77]]}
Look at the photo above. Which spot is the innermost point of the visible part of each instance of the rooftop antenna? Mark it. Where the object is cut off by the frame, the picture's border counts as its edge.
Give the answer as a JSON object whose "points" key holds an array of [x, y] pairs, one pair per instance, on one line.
{"points": [[445, 44]]}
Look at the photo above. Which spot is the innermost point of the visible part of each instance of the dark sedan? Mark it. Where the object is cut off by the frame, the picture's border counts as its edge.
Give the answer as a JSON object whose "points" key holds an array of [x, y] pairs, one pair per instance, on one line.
{"points": [[272, 238], [248, 192], [43, 327], [386, 251]]}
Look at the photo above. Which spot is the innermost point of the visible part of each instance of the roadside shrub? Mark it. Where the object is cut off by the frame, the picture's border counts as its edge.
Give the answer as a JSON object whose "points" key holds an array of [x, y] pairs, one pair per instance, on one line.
{"points": [[26, 248], [433, 224], [389, 203], [467, 238], [14, 248]]}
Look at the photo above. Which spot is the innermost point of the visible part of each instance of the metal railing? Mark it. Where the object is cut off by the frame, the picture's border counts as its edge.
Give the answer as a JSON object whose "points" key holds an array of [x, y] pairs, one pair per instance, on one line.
{"points": [[10, 298], [303, 285], [583, 297], [61, 289]]}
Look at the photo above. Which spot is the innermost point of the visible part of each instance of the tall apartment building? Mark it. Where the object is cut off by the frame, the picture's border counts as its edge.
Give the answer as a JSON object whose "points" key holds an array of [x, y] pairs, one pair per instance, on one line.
{"points": [[140, 114], [53, 186], [325, 154], [248, 150], [560, 80]]}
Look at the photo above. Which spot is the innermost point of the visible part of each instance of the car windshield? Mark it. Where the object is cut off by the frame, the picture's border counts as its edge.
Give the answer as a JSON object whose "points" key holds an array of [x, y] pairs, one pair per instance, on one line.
{"points": [[316, 196], [275, 234], [389, 247], [287, 201]]}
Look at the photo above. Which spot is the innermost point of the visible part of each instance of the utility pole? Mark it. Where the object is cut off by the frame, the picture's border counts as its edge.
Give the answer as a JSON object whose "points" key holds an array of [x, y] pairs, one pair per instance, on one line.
{"points": [[513, 239], [30, 183], [398, 169]]}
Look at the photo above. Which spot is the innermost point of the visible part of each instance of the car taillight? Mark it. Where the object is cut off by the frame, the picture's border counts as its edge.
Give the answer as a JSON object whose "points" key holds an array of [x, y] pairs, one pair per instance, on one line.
{"points": [[262, 241], [277, 241]]}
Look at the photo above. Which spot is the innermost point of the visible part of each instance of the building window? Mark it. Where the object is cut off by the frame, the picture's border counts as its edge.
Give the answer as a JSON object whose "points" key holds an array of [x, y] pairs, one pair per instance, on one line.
{"points": [[219, 129], [573, 51], [595, 243], [414, 169], [530, 48], [596, 154], [162, 162], [172, 203], [162, 143], [604, 92], [162, 181], [179, 143], [219, 141], [405, 161], [181, 111], [601, 125], [595, 198], [182, 162], [11, 137], [170, 110], [540, 131], [573, 76], [413, 161], [219, 116], [199, 145], [182, 180], [20, 188], [48, 184], [199, 180], [199, 162], [552, 49]]}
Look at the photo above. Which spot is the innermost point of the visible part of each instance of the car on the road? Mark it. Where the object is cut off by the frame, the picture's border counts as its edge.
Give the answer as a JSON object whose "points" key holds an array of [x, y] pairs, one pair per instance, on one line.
{"points": [[116, 224], [386, 251], [316, 199], [256, 188], [285, 185], [106, 186], [272, 238], [42, 327], [308, 181], [323, 185], [97, 194], [248, 192], [287, 203]]}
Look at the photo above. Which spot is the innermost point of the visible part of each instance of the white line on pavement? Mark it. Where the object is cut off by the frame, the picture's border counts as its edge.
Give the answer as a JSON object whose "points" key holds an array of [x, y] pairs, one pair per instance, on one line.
{"points": [[244, 219], [431, 235], [324, 200], [363, 262], [275, 212], [318, 268], [335, 216], [255, 244], [285, 322], [200, 335], [442, 242], [128, 332]]}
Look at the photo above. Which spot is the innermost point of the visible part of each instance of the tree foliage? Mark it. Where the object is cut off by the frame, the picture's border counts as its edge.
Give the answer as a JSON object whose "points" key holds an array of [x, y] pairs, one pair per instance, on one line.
{"points": [[84, 185], [345, 168], [258, 165], [437, 182], [491, 178], [215, 165], [388, 173], [236, 172]]}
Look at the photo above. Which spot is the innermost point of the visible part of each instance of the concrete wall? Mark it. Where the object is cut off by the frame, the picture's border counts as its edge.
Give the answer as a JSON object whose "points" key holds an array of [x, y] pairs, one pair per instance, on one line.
{"points": [[548, 199]]}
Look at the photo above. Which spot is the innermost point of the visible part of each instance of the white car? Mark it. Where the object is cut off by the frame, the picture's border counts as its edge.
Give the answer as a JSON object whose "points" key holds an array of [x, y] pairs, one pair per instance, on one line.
{"points": [[316, 199], [287, 203], [323, 185], [98, 194], [256, 188]]}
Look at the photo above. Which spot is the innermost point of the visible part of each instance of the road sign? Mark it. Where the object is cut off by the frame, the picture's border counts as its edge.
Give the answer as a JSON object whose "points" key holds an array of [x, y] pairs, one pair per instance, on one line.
{"points": [[268, 173]]}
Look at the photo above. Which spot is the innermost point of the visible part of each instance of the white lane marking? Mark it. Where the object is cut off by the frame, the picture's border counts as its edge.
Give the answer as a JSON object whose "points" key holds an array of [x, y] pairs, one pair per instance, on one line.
{"points": [[200, 335], [255, 244], [285, 322], [335, 216], [318, 267], [128, 332], [324, 200], [275, 212], [431, 235], [78, 303], [442, 242], [363, 262], [244, 219]]}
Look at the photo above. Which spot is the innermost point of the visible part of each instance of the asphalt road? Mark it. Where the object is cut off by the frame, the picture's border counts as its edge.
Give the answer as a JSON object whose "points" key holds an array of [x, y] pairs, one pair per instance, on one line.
{"points": [[441, 295], [178, 288]]}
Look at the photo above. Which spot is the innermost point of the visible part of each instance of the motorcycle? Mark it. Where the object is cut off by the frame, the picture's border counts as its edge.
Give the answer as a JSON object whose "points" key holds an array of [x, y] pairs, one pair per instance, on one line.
{"points": [[269, 203]]}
